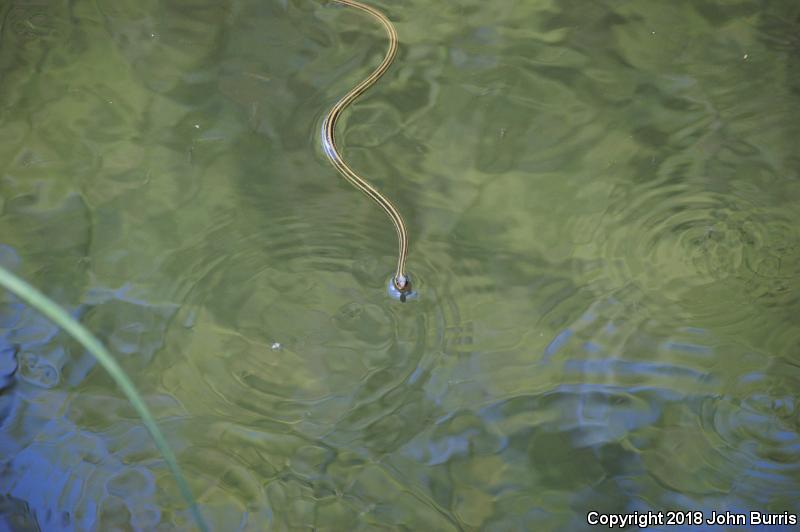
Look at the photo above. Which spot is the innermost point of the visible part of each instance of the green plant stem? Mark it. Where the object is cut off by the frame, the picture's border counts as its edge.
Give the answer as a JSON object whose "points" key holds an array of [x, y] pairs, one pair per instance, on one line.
{"points": [[56, 314]]}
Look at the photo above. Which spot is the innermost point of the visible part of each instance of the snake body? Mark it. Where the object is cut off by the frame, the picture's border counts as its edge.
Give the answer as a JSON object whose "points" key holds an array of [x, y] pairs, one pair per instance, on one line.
{"points": [[400, 281]]}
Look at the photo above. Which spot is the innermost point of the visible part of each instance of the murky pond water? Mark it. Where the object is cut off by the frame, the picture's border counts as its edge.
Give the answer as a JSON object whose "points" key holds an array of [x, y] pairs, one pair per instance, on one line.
{"points": [[604, 207]]}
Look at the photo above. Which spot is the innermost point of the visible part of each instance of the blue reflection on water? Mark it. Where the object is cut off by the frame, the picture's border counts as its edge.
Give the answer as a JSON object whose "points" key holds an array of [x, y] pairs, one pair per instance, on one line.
{"points": [[56, 475], [558, 342]]}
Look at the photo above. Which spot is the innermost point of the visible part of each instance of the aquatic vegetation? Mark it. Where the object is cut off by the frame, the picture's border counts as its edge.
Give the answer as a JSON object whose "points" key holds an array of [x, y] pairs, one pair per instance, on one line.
{"points": [[53, 312]]}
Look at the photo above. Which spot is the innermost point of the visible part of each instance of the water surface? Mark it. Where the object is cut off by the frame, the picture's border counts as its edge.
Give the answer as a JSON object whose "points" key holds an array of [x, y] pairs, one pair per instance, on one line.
{"points": [[604, 207]]}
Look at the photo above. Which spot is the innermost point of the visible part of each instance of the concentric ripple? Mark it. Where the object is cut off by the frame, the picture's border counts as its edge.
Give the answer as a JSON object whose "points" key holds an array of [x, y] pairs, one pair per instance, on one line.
{"points": [[289, 338], [759, 434], [674, 237], [312, 325]]}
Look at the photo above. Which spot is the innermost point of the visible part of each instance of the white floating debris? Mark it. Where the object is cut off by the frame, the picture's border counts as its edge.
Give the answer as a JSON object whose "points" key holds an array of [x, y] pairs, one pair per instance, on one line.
{"points": [[276, 346]]}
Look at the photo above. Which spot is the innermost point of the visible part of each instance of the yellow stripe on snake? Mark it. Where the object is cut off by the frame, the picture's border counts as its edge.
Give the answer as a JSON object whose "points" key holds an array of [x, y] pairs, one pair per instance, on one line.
{"points": [[400, 281]]}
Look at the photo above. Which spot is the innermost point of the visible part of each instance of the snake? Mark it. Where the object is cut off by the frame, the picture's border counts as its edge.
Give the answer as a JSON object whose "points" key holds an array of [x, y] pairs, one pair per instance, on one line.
{"points": [[400, 282]]}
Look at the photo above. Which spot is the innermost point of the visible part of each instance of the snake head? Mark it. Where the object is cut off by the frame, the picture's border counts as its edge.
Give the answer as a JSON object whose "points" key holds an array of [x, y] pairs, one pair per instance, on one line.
{"points": [[400, 288], [402, 283]]}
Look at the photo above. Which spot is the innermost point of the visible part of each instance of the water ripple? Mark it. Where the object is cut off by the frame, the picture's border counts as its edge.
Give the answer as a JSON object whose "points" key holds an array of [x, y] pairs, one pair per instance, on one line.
{"points": [[602, 204]]}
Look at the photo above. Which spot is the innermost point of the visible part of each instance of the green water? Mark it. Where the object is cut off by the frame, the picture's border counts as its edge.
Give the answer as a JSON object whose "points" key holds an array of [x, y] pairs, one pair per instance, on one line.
{"points": [[604, 209]]}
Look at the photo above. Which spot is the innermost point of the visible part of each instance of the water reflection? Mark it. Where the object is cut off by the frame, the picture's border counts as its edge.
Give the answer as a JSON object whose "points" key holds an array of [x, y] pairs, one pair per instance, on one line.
{"points": [[603, 203]]}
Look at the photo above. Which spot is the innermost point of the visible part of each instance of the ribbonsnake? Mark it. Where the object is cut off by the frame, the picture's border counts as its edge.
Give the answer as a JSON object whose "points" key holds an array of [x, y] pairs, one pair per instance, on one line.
{"points": [[400, 281]]}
